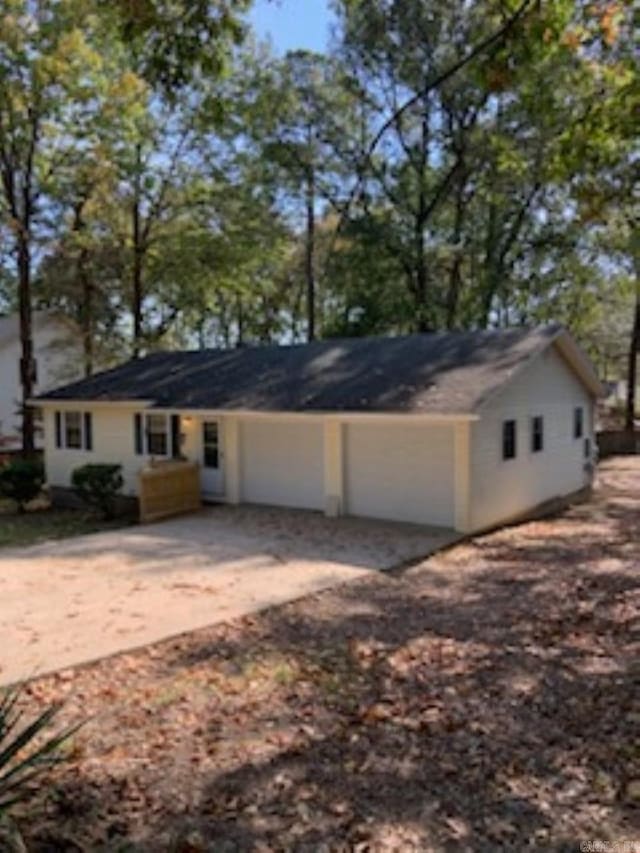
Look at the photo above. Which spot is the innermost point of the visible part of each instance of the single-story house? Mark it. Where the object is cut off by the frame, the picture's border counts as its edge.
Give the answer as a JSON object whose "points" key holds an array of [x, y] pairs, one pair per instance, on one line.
{"points": [[57, 351], [461, 430]]}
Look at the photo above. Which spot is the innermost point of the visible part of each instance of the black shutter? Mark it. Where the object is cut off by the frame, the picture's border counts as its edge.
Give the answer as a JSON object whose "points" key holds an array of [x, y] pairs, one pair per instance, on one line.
{"points": [[175, 436], [88, 431], [58, 429], [137, 432]]}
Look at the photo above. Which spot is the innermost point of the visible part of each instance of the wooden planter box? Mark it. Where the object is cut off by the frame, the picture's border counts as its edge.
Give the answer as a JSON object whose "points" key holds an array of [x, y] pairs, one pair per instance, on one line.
{"points": [[167, 489]]}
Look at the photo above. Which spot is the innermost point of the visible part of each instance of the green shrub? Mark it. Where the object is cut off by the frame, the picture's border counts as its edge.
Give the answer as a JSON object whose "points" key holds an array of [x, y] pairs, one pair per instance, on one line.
{"points": [[22, 481], [98, 486], [24, 752]]}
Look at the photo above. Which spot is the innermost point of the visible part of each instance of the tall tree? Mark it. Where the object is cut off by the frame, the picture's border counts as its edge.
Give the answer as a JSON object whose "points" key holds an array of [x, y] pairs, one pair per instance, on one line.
{"points": [[46, 60], [301, 121], [175, 48]]}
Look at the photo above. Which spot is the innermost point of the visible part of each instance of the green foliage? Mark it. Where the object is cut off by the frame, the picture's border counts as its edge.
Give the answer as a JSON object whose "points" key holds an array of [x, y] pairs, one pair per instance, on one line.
{"points": [[26, 750], [98, 486], [176, 40], [21, 481], [193, 187]]}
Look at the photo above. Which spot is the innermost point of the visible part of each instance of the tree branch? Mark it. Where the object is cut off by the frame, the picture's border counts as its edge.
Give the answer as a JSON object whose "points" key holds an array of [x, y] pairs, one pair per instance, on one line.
{"points": [[492, 40]]}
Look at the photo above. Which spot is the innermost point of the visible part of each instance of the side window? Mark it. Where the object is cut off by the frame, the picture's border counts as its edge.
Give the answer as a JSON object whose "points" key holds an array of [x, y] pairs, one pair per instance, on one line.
{"points": [[587, 448], [74, 430], [509, 448], [578, 422], [537, 434], [157, 438]]}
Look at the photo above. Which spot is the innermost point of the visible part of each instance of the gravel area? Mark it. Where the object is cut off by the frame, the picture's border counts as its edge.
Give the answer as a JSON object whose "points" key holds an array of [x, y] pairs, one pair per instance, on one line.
{"points": [[484, 700], [80, 599]]}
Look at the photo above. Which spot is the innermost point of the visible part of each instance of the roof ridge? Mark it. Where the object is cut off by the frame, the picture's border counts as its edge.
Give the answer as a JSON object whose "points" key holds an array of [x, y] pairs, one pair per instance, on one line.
{"points": [[442, 333]]}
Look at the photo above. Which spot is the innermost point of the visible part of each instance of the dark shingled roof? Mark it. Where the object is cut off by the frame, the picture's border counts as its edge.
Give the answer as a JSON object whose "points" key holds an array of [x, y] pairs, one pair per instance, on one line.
{"points": [[450, 372]]}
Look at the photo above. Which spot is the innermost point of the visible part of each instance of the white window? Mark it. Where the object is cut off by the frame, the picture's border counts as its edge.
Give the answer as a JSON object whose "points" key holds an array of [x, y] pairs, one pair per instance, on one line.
{"points": [[157, 435], [74, 430]]}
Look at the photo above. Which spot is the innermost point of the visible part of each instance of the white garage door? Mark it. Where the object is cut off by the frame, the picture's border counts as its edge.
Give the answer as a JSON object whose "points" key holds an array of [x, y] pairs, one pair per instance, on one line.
{"points": [[400, 472], [282, 463]]}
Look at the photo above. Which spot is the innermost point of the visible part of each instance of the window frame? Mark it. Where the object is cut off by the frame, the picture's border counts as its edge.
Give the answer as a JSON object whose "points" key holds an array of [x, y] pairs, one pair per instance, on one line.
{"points": [[78, 429], [537, 433], [207, 444], [509, 439], [83, 429], [147, 434], [578, 422]]}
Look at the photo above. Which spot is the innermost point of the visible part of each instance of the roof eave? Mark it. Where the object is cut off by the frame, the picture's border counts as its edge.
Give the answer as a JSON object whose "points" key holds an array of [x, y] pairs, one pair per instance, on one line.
{"points": [[572, 354], [580, 363], [76, 402], [441, 417]]}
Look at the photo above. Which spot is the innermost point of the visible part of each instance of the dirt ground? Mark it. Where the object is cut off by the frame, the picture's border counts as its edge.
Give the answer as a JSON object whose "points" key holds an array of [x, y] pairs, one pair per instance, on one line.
{"points": [[484, 700], [80, 599]]}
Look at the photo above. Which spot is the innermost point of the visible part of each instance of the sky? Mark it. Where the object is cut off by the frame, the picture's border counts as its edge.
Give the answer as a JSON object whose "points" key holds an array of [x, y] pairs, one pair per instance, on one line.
{"points": [[292, 24]]}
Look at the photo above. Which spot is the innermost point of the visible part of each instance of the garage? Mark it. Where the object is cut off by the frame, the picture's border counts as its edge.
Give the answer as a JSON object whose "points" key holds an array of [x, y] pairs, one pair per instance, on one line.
{"points": [[282, 463], [403, 472]]}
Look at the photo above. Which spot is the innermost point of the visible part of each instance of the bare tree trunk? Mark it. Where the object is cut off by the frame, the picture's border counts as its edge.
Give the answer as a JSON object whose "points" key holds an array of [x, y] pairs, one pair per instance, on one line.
{"points": [[420, 270], [20, 203], [240, 321], [455, 277], [86, 291], [421, 279], [310, 255], [136, 308], [87, 313], [632, 371], [138, 251], [27, 363]]}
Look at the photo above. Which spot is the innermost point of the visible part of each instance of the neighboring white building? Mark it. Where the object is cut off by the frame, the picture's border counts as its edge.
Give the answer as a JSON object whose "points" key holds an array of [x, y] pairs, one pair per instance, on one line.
{"points": [[462, 430], [57, 351]]}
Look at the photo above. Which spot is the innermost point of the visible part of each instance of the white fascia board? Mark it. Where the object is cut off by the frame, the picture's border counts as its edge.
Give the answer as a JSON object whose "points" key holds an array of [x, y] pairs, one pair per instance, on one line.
{"points": [[569, 351], [579, 363], [422, 417]]}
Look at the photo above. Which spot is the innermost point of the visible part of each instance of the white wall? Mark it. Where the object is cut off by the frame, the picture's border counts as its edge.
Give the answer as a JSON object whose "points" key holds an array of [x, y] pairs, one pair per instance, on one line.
{"points": [[58, 356], [282, 462], [387, 468], [113, 443], [501, 489], [400, 471]]}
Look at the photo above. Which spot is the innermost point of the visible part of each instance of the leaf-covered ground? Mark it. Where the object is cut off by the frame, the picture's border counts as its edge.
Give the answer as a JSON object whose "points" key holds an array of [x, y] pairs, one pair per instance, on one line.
{"points": [[487, 699], [41, 523]]}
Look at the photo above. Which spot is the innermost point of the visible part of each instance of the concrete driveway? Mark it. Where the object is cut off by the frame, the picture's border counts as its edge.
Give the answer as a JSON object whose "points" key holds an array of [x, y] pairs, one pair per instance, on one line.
{"points": [[68, 602]]}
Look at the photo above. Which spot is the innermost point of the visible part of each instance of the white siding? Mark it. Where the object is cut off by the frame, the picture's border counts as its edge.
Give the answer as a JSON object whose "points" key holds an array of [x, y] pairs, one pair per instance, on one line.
{"points": [[58, 359], [282, 462], [501, 489], [113, 442], [403, 472], [10, 393]]}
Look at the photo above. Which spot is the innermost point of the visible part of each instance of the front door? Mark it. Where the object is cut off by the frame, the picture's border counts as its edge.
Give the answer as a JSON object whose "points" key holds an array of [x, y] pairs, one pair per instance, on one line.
{"points": [[212, 473]]}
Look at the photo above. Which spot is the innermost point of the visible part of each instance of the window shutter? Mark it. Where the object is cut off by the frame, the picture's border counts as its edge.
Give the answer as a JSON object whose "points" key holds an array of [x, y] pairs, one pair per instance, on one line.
{"points": [[137, 431], [88, 431], [58, 429], [175, 436]]}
